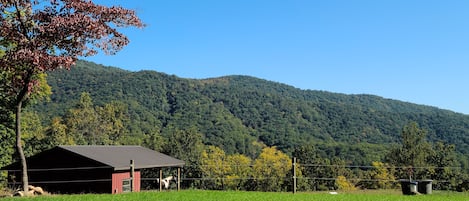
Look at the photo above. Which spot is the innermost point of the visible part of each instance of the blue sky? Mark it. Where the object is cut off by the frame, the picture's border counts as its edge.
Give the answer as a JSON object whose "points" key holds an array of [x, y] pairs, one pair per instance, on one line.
{"points": [[409, 50]]}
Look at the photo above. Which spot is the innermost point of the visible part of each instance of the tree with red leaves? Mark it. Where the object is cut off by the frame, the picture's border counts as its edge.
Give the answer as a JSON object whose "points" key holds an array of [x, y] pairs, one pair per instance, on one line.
{"points": [[37, 36]]}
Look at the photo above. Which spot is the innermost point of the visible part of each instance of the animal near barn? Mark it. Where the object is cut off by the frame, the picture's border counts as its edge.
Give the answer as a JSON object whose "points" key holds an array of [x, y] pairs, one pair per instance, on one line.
{"points": [[92, 169]]}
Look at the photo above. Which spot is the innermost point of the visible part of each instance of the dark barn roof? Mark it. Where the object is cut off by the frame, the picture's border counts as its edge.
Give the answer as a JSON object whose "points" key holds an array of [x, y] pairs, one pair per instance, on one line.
{"points": [[119, 157], [116, 157]]}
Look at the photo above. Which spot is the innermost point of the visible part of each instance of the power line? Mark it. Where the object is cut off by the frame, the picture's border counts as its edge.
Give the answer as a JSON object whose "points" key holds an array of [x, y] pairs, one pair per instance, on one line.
{"points": [[62, 169], [65, 181]]}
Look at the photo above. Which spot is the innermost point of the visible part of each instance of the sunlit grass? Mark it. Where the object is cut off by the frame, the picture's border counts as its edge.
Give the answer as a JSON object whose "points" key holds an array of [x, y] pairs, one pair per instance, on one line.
{"points": [[200, 195]]}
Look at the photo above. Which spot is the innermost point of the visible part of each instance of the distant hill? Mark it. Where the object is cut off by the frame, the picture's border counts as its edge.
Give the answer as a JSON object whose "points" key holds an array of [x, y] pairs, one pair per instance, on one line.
{"points": [[232, 112]]}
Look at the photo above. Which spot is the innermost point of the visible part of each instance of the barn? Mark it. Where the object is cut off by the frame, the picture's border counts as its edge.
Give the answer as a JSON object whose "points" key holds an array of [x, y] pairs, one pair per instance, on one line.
{"points": [[92, 169]]}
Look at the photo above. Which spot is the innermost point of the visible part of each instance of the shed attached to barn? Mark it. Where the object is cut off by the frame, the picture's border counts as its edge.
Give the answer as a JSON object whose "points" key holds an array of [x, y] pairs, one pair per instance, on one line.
{"points": [[91, 169]]}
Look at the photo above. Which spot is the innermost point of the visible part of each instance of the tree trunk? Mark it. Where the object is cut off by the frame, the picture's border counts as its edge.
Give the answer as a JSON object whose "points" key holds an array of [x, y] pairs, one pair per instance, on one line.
{"points": [[19, 147]]}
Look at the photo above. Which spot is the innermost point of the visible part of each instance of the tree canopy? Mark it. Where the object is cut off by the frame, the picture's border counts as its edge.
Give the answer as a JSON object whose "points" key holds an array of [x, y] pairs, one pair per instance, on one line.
{"points": [[236, 112], [37, 36]]}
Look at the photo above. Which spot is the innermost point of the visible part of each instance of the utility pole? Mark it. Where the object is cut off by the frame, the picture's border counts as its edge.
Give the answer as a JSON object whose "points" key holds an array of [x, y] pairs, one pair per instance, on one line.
{"points": [[294, 175]]}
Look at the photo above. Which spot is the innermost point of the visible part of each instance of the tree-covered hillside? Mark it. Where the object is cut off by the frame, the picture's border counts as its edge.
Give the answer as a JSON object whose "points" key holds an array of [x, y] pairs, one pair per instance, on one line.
{"points": [[237, 113]]}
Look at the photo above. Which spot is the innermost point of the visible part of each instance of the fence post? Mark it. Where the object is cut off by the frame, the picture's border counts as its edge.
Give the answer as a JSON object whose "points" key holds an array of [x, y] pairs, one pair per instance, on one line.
{"points": [[161, 179], [179, 179], [294, 175], [132, 174]]}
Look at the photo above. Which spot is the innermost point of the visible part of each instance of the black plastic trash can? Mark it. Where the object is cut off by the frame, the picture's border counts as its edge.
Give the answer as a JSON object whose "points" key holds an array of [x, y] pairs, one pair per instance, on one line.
{"points": [[425, 186], [408, 187]]}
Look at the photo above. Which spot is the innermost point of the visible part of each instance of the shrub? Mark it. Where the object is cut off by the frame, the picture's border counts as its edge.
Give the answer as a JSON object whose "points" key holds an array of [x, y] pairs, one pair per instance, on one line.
{"points": [[343, 184]]}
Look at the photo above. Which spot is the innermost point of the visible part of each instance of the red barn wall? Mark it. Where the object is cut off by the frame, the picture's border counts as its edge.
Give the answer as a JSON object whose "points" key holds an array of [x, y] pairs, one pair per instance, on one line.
{"points": [[117, 179]]}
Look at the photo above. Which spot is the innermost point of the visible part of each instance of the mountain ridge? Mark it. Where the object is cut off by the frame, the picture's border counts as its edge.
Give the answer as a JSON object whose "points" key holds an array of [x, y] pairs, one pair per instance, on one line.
{"points": [[237, 77]]}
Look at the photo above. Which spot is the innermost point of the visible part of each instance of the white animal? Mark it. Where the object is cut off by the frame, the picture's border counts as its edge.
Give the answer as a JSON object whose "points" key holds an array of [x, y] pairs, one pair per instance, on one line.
{"points": [[165, 181]]}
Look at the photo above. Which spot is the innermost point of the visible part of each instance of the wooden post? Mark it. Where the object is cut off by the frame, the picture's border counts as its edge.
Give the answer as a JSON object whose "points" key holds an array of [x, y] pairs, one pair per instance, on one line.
{"points": [[132, 174], [294, 175], [179, 178], [161, 179]]}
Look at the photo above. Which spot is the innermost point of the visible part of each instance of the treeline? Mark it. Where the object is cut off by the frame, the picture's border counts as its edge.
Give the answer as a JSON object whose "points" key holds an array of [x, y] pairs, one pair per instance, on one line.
{"points": [[265, 168], [414, 158]]}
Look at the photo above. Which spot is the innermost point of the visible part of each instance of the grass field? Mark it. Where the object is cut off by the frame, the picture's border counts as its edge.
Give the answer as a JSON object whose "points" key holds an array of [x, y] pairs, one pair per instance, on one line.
{"points": [[200, 195]]}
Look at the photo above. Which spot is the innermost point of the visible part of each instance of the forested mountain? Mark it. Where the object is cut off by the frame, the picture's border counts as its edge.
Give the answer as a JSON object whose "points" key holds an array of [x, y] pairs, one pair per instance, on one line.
{"points": [[237, 113]]}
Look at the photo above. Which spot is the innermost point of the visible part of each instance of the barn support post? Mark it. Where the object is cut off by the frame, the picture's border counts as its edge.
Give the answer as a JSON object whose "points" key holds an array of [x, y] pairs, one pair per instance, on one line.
{"points": [[161, 179], [294, 175], [179, 179], [132, 175]]}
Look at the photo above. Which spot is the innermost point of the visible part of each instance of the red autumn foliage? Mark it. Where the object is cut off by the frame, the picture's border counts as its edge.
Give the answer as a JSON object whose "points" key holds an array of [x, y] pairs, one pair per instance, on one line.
{"points": [[42, 35]]}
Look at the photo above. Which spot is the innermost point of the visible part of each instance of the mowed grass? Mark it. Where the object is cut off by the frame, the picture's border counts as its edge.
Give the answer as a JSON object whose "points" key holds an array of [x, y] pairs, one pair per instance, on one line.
{"points": [[200, 195]]}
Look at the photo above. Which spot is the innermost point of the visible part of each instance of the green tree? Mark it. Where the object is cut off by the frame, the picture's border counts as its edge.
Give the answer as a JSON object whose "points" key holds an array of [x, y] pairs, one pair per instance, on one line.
{"points": [[14, 97], [96, 125], [413, 152], [33, 133], [83, 122], [185, 145], [308, 155], [435, 161], [6, 126], [318, 170], [154, 140], [301, 180], [56, 133], [7, 143], [443, 160], [112, 118]]}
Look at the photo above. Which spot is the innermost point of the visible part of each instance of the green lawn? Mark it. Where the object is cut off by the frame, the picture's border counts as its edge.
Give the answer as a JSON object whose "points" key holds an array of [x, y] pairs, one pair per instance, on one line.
{"points": [[200, 195]]}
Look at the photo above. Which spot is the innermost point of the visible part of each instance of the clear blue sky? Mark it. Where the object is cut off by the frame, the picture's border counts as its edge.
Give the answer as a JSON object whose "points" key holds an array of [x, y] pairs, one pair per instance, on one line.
{"points": [[409, 50]]}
